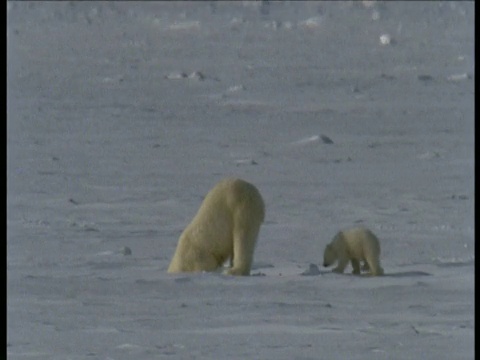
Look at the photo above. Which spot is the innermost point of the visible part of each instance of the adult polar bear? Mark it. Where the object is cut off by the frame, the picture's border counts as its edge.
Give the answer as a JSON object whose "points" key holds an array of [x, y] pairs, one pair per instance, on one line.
{"points": [[225, 227]]}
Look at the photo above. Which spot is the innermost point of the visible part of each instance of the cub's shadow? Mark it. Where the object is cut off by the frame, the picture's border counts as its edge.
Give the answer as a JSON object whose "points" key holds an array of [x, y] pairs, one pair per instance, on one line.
{"points": [[407, 274], [395, 274]]}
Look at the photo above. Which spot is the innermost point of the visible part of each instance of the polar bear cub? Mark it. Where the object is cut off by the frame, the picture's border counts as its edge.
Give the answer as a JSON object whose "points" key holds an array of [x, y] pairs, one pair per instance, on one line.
{"points": [[355, 245], [225, 227]]}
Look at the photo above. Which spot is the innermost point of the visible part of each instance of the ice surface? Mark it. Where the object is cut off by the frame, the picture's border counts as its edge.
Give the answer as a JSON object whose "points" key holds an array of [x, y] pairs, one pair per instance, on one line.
{"points": [[122, 115]]}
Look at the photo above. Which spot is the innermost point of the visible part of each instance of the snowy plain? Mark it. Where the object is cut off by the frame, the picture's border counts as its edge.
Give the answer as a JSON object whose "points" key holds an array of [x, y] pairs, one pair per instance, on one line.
{"points": [[122, 115]]}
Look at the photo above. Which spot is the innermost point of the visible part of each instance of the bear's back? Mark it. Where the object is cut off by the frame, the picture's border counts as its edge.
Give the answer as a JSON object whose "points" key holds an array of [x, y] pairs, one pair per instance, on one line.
{"points": [[356, 236], [236, 195]]}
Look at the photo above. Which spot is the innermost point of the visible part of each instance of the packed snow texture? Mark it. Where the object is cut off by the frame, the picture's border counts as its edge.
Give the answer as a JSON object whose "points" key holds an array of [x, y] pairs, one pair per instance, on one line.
{"points": [[122, 115]]}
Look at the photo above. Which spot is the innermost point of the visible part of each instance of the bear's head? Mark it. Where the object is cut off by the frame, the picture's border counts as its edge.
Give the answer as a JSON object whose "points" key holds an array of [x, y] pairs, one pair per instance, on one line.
{"points": [[329, 255]]}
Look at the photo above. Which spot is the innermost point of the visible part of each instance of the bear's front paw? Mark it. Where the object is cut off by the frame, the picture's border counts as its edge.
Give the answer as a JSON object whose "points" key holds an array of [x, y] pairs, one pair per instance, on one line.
{"points": [[337, 270], [237, 272]]}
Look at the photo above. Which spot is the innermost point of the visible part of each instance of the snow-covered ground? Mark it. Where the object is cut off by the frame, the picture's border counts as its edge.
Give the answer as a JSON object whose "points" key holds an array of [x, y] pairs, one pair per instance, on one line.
{"points": [[121, 117]]}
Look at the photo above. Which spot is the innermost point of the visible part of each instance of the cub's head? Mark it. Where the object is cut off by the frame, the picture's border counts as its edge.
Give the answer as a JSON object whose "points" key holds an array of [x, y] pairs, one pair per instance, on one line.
{"points": [[329, 255]]}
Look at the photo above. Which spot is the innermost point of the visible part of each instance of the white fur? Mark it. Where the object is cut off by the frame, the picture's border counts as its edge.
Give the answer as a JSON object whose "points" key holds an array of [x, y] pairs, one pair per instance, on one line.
{"points": [[225, 228], [355, 246]]}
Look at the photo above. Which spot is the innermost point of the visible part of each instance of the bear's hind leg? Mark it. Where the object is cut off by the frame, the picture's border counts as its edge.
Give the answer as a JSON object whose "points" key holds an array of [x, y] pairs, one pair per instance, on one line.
{"points": [[342, 264], [356, 266], [365, 266], [244, 239], [375, 268], [207, 262], [242, 262], [377, 271]]}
